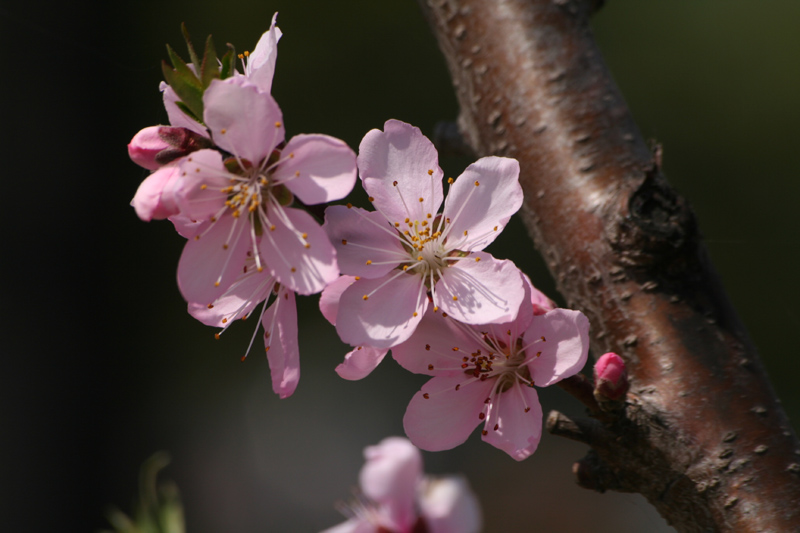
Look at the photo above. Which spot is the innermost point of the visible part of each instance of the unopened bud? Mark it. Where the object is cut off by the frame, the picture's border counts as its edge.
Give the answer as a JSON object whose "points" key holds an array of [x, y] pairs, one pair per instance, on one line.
{"points": [[145, 146], [610, 378]]}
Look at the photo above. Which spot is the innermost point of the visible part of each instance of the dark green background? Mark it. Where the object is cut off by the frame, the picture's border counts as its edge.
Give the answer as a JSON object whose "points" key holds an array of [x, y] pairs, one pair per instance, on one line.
{"points": [[101, 366]]}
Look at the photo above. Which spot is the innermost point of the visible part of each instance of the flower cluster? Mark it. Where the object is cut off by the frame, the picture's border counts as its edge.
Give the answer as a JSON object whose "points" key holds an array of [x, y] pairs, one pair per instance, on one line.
{"points": [[397, 498], [411, 276], [227, 179]]}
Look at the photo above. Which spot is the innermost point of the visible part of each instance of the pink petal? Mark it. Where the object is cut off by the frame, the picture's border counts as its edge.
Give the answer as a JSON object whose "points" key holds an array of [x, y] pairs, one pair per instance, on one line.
{"points": [[329, 299], [565, 348], [448, 416], [386, 318], [177, 117], [448, 505], [261, 61], [280, 339], [401, 154], [145, 146], [518, 431], [482, 211], [186, 227], [360, 362], [319, 168], [305, 270], [432, 345], [242, 120], [212, 260], [150, 202], [366, 245], [486, 291], [198, 192], [390, 476], [237, 301]]}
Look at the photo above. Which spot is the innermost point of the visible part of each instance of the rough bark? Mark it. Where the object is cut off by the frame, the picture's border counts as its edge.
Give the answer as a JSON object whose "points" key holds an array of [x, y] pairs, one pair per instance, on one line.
{"points": [[701, 435]]}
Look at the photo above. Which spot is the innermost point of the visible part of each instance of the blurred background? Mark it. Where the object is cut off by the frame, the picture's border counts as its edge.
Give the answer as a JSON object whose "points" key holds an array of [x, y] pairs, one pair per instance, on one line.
{"points": [[101, 366]]}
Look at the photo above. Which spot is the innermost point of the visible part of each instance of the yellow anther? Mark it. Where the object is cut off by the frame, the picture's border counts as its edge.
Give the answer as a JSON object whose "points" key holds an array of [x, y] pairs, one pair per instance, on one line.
{"points": [[495, 228], [307, 245], [203, 187], [450, 181], [260, 269], [422, 199], [197, 169], [405, 267], [407, 220], [371, 199], [246, 53], [224, 320], [358, 278], [344, 241], [396, 224], [349, 205], [211, 306], [272, 227], [435, 308], [394, 184], [365, 297], [455, 298], [296, 173], [424, 222], [465, 233], [277, 124], [305, 235], [429, 215], [477, 183], [224, 246], [415, 313], [216, 283], [241, 56], [419, 258], [291, 155], [294, 269], [430, 172], [477, 259], [369, 261], [223, 131]]}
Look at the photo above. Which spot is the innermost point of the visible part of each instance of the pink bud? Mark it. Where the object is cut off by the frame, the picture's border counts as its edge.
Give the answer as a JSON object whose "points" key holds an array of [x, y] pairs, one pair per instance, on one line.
{"points": [[541, 303], [145, 146], [155, 197], [610, 377]]}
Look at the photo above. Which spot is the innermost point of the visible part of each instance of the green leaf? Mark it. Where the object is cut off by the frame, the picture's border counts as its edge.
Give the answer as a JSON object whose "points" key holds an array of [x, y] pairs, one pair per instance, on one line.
{"points": [[228, 63], [210, 69], [192, 53], [188, 89]]}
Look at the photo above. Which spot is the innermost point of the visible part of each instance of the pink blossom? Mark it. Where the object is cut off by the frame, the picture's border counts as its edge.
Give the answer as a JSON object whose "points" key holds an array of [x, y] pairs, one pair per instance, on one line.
{"points": [[486, 374], [399, 499], [154, 199], [244, 200], [145, 146], [405, 253], [259, 65]]}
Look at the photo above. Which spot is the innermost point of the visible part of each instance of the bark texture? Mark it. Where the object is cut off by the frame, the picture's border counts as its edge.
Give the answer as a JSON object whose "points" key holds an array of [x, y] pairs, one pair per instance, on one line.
{"points": [[701, 435]]}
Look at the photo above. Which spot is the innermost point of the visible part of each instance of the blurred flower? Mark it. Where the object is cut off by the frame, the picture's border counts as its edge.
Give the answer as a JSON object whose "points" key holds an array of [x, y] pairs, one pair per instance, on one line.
{"points": [[610, 378], [399, 499]]}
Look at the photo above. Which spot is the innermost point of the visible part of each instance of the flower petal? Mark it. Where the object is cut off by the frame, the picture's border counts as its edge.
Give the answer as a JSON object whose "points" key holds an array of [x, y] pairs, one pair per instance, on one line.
{"points": [[481, 201], [329, 299], [447, 417], [517, 415], [198, 191], [298, 251], [242, 120], [480, 289], [519, 325], [238, 301], [565, 347], [280, 340], [386, 318], [212, 260], [431, 349], [150, 200], [401, 154], [448, 505], [360, 362], [319, 168], [390, 476], [261, 61], [366, 245]]}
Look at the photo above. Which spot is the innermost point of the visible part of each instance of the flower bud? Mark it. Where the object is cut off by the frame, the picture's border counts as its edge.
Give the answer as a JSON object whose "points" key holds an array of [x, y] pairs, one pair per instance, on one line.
{"points": [[145, 146], [541, 303], [610, 378]]}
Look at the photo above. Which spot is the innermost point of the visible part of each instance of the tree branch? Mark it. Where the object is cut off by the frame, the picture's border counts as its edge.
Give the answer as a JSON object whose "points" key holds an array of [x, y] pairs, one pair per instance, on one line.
{"points": [[703, 436]]}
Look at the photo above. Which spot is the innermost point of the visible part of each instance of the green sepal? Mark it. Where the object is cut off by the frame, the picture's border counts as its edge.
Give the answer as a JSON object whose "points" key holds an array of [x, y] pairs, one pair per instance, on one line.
{"points": [[228, 63]]}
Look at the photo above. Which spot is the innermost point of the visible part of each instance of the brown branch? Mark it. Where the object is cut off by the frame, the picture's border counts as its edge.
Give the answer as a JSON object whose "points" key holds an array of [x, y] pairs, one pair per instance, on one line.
{"points": [[702, 436]]}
